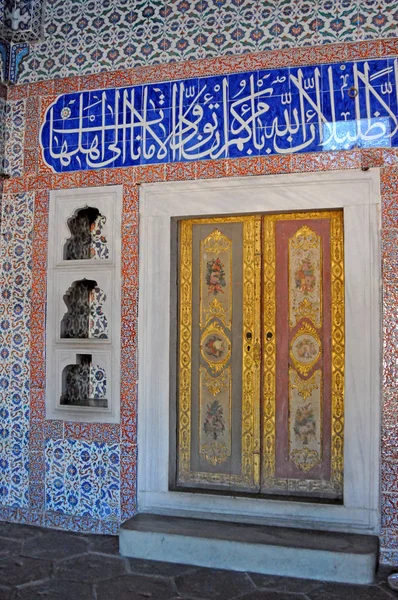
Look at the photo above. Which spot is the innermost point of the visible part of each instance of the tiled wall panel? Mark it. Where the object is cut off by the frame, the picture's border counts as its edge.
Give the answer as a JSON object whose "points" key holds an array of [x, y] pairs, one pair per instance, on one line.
{"points": [[90, 37], [15, 261], [82, 477]]}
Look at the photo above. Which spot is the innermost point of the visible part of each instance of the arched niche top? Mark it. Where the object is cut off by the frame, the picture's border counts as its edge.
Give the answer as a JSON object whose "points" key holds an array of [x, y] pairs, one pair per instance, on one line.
{"points": [[87, 240], [85, 317]]}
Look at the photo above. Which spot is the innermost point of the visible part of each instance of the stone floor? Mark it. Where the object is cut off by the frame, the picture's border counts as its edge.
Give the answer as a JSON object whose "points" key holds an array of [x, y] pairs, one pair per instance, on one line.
{"points": [[42, 564]]}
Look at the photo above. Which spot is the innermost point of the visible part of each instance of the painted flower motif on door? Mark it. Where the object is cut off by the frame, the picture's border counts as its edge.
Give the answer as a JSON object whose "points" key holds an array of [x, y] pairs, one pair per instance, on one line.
{"points": [[215, 276], [304, 423], [305, 420], [215, 346], [305, 277], [214, 424]]}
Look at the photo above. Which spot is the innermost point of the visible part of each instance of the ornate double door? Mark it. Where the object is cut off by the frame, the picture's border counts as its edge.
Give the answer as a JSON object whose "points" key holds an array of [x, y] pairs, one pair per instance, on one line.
{"points": [[261, 354]]}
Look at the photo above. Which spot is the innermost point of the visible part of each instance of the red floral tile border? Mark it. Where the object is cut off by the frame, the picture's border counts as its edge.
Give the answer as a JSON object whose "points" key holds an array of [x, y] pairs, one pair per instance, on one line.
{"points": [[287, 57]]}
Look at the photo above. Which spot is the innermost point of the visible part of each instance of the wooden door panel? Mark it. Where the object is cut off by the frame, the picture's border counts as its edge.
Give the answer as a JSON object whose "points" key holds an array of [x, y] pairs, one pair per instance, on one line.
{"points": [[219, 353], [303, 354], [261, 297]]}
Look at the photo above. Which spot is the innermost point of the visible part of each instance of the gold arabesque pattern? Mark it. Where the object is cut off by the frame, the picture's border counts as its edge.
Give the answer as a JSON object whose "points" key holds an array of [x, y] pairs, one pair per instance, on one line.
{"points": [[185, 350], [338, 347], [269, 479], [260, 231], [250, 437]]}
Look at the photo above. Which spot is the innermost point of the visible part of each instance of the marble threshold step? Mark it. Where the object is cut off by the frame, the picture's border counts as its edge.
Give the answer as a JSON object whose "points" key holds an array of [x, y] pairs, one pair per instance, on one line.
{"points": [[320, 555]]}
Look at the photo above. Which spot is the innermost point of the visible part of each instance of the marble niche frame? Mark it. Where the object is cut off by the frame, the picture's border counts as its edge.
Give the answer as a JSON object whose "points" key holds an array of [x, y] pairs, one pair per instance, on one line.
{"points": [[358, 194], [61, 273]]}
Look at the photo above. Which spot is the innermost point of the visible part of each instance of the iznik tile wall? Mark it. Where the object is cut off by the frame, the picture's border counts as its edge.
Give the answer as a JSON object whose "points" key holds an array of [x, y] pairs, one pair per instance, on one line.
{"points": [[3, 100], [2, 131], [14, 131], [264, 112], [15, 260], [82, 477], [90, 37]]}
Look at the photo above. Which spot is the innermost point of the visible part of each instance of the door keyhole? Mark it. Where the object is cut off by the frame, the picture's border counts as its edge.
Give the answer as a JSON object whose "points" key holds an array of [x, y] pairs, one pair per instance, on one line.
{"points": [[269, 335]]}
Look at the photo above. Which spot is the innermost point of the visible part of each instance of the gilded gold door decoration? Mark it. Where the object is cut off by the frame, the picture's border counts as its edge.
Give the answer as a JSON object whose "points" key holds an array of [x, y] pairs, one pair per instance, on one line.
{"points": [[338, 349], [185, 350], [304, 292], [214, 419], [215, 277], [301, 303], [305, 420], [206, 431], [215, 384], [304, 387], [216, 309], [305, 349], [215, 347], [269, 348], [305, 276]]}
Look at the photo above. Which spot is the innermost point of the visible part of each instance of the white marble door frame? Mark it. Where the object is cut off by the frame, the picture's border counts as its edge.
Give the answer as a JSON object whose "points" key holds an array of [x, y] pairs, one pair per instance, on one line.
{"points": [[358, 194]]}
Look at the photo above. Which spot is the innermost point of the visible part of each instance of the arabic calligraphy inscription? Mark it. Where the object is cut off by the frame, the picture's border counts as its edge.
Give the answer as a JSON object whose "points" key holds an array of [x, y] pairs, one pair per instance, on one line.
{"points": [[280, 111]]}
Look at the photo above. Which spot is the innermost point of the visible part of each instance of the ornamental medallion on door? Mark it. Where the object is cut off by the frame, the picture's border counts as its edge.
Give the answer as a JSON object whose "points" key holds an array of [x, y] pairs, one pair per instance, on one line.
{"points": [[261, 354]]}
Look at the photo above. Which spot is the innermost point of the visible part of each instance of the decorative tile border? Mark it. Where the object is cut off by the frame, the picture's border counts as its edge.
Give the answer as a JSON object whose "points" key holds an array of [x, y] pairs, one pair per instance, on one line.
{"points": [[86, 38], [220, 65], [286, 111]]}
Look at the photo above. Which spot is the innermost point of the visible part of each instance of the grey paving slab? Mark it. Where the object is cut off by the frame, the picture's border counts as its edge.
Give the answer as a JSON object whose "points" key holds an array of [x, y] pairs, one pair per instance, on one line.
{"points": [[93, 570], [106, 544], [19, 570], [271, 595], [9, 547], [157, 568], [339, 591], [20, 532], [56, 590], [393, 595], [135, 587], [213, 583], [5, 593], [284, 584], [90, 568], [54, 546]]}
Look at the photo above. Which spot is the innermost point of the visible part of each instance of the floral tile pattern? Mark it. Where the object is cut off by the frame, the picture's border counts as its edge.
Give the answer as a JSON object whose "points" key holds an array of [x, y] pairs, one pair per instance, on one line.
{"points": [[83, 478], [15, 257], [81, 37], [14, 138], [2, 131]]}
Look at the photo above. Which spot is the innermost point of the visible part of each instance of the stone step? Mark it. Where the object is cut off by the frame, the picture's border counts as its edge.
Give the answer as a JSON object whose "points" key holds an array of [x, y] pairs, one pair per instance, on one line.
{"points": [[320, 555]]}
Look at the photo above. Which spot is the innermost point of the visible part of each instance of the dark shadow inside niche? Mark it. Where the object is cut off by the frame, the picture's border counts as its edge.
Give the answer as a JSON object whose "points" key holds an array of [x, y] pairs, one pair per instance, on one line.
{"points": [[85, 317], [87, 240], [84, 384]]}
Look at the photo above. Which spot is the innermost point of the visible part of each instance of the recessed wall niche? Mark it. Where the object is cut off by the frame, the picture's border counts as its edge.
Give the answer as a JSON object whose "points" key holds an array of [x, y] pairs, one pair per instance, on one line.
{"points": [[83, 305], [87, 239], [85, 317], [84, 383]]}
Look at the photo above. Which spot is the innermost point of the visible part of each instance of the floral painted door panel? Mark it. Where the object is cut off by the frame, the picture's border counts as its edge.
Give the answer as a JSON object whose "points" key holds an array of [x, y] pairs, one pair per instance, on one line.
{"points": [[219, 372], [261, 354], [303, 354]]}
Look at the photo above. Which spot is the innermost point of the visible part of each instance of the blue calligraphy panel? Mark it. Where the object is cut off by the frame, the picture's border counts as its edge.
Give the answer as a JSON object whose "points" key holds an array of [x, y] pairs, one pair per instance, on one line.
{"points": [[281, 111]]}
